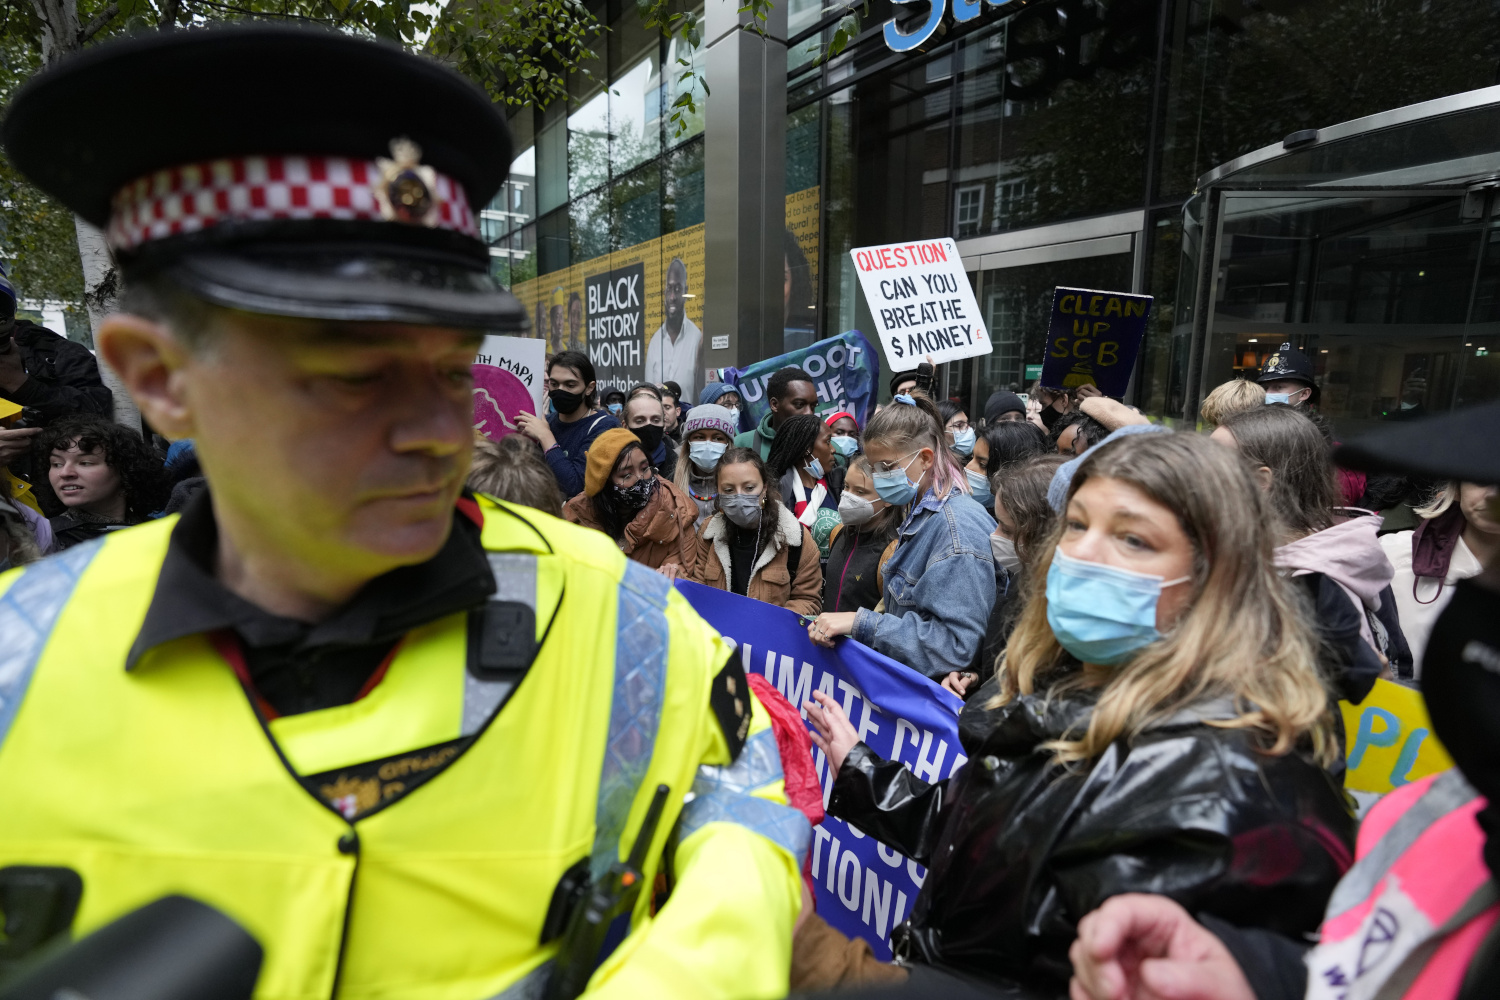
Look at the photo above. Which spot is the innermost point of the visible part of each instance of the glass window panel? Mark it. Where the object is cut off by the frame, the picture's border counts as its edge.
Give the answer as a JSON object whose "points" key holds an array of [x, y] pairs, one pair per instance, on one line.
{"points": [[553, 242], [588, 146], [589, 230], [1017, 305], [552, 161], [1244, 75], [1074, 110], [682, 75], [635, 115], [802, 160], [683, 191], [1164, 353], [635, 202], [523, 255], [801, 15], [1391, 297]]}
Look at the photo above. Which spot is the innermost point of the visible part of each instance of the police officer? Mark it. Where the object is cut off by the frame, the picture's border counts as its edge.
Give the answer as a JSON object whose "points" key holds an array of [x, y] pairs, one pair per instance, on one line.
{"points": [[420, 744], [1287, 377]]}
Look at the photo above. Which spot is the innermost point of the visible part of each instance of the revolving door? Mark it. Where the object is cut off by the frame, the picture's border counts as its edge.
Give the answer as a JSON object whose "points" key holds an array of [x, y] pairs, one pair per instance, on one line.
{"points": [[1373, 246]]}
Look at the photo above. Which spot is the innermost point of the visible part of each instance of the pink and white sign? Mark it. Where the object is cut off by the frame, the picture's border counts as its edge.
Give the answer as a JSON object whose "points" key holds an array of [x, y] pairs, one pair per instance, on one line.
{"points": [[508, 381]]}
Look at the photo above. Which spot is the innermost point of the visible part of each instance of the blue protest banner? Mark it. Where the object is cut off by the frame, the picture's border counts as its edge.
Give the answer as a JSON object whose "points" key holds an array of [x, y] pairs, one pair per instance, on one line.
{"points": [[1093, 339], [844, 369], [863, 888]]}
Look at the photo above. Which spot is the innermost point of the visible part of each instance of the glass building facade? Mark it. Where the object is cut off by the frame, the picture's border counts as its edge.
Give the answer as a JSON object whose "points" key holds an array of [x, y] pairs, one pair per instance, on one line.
{"points": [[1060, 142]]}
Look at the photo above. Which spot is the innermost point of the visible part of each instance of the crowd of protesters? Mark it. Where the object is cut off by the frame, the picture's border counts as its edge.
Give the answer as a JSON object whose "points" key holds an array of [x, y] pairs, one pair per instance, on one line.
{"points": [[1150, 666]]}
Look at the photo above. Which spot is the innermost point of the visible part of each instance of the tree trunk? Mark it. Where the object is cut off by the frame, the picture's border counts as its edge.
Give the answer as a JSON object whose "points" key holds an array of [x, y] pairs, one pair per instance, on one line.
{"points": [[62, 36], [100, 286]]}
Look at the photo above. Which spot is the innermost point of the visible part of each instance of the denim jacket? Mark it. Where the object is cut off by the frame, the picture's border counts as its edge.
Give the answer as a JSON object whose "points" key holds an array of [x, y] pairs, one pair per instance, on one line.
{"points": [[939, 588]]}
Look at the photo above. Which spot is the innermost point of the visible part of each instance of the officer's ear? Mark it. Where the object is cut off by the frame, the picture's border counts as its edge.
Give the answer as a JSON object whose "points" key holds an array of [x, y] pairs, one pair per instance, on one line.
{"points": [[150, 362]]}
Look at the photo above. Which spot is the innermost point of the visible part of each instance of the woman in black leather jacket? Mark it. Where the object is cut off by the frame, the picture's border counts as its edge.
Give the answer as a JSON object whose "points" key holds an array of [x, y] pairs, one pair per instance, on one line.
{"points": [[1156, 724]]}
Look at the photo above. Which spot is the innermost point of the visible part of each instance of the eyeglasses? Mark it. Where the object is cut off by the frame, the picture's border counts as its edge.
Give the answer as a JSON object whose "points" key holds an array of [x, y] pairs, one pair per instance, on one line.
{"points": [[893, 466]]}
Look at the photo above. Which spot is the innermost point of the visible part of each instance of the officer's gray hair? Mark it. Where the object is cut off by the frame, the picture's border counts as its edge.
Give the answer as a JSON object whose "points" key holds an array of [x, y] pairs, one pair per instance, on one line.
{"points": [[151, 295]]}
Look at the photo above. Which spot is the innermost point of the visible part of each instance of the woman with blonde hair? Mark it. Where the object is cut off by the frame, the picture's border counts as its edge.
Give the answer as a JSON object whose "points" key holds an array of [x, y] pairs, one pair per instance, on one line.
{"points": [[1156, 724], [1231, 397]]}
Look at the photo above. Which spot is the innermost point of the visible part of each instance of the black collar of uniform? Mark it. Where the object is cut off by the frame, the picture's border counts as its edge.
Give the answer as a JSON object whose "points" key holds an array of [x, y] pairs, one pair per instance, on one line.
{"points": [[189, 601]]}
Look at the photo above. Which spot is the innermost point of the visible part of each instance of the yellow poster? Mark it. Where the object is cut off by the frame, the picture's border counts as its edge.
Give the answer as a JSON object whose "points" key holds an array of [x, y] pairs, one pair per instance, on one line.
{"points": [[638, 312], [1389, 740]]}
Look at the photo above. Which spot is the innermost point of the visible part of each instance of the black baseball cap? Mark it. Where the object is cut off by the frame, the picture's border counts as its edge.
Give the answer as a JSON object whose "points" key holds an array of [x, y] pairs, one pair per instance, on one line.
{"points": [[279, 170]]}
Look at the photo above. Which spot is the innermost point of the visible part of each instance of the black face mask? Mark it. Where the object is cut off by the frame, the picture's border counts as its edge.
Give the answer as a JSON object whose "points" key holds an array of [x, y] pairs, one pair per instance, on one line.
{"points": [[650, 436], [564, 401], [1461, 685], [1050, 416], [634, 497]]}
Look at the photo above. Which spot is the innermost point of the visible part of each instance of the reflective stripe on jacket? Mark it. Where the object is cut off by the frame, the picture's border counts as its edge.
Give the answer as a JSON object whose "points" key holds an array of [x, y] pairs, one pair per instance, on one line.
{"points": [[1410, 914], [162, 779]]}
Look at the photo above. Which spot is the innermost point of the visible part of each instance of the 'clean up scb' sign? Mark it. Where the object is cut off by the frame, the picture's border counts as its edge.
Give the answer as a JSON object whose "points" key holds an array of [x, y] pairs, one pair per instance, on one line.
{"points": [[922, 302], [1093, 339]]}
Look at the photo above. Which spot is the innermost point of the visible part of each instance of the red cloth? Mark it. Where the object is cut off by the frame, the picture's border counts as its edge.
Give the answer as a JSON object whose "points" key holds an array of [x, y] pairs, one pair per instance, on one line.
{"points": [[802, 788], [1351, 485], [842, 413]]}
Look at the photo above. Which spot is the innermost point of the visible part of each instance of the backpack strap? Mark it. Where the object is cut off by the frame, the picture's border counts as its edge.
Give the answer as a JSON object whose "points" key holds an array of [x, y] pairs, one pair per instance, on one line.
{"points": [[793, 560]]}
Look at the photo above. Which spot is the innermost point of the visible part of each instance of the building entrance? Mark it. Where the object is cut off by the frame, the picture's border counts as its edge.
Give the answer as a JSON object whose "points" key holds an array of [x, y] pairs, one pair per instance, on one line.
{"points": [[1373, 246]]}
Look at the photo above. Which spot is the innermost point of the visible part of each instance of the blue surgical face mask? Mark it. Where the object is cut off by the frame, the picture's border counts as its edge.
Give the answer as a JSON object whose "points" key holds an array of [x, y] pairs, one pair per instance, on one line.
{"points": [[845, 445], [979, 488], [814, 468], [894, 487], [616, 408], [1102, 614], [706, 454], [963, 441], [1278, 397]]}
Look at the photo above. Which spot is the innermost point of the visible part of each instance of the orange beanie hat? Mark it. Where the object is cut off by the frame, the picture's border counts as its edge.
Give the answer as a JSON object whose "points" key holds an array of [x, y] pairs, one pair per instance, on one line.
{"points": [[603, 454]]}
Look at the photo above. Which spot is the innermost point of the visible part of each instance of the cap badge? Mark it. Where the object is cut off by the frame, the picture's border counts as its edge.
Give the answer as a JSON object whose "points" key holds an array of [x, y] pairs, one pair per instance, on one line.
{"points": [[1274, 362], [405, 191]]}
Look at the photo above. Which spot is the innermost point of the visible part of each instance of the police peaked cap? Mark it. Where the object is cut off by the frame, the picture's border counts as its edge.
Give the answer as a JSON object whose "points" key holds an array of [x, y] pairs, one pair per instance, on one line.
{"points": [[1288, 362], [287, 171], [1463, 445]]}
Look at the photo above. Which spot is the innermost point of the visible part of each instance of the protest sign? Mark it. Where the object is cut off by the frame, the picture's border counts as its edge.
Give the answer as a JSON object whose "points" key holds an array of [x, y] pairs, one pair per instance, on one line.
{"points": [[922, 302], [844, 369], [1389, 740], [1093, 339], [615, 313], [862, 887], [508, 380]]}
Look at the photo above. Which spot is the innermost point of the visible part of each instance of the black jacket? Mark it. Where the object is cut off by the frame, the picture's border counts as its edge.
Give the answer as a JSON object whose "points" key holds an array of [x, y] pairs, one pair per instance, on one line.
{"points": [[62, 376], [73, 527], [1018, 850], [851, 579], [1001, 623]]}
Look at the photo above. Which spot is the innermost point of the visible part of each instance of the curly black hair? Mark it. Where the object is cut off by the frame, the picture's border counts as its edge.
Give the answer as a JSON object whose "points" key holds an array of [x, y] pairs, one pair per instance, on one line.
{"points": [[793, 442], [138, 464]]}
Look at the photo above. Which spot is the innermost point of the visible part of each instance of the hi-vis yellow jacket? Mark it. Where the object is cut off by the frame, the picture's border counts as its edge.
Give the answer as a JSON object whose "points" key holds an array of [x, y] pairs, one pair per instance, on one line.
{"points": [[162, 779]]}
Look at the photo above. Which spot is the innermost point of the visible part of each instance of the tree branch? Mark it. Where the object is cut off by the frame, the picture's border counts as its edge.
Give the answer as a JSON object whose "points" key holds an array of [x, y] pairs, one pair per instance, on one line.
{"points": [[97, 22]]}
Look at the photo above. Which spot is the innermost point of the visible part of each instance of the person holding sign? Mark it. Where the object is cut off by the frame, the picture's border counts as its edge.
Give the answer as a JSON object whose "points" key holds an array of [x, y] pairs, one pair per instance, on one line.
{"points": [[940, 585], [1157, 721], [566, 435]]}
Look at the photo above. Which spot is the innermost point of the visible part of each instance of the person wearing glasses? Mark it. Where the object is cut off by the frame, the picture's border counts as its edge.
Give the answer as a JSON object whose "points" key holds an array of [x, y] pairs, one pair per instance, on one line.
{"points": [[940, 584], [649, 518]]}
